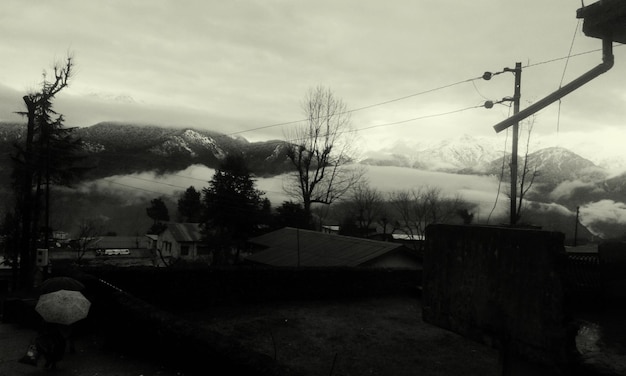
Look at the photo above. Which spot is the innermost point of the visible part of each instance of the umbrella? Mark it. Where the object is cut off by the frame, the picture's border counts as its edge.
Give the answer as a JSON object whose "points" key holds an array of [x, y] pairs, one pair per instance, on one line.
{"points": [[63, 307], [60, 283]]}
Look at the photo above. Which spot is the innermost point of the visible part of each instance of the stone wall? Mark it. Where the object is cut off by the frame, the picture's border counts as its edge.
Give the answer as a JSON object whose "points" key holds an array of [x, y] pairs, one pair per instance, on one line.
{"points": [[498, 286]]}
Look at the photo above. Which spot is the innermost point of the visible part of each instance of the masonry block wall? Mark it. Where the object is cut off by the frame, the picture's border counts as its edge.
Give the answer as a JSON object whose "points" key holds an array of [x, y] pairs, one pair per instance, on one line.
{"points": [[497, 285]]}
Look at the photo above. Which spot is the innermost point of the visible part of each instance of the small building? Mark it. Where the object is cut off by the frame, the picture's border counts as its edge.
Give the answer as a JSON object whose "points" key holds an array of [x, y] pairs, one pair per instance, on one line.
{"points": [[120, 245], [183, 241], [296, 247], [152, 240]]}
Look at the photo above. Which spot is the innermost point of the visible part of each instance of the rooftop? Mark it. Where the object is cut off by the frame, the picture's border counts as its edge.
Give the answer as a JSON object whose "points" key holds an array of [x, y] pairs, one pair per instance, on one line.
{"points": [[290, 246]]}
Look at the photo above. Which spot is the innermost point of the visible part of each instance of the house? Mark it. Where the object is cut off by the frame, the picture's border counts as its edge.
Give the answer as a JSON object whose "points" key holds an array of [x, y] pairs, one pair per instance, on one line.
{"points": [[330, 229], [296, 247], [152, 240], [183, 241]]}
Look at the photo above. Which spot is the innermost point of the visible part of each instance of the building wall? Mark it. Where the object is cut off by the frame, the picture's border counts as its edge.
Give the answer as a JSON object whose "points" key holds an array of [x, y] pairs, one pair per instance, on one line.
{"points": [[500, 286], [612, 257], [168, 246]]}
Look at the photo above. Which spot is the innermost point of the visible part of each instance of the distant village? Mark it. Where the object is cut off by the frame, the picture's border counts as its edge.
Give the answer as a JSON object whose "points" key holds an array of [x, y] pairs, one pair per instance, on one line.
{"points": [[183, 243]]}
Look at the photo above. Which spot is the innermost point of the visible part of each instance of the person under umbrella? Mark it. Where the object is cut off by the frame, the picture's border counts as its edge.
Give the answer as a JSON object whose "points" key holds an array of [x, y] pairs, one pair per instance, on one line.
{"points": [[60, 283], [60, 304]]}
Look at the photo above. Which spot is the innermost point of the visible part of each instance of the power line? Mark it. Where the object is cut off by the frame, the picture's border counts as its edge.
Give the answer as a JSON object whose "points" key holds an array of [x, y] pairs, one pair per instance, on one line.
{"points": [[568, 57], [361, 108], [413, 95], [416, 94], [420, 118], [558, 118], [137, 188]]}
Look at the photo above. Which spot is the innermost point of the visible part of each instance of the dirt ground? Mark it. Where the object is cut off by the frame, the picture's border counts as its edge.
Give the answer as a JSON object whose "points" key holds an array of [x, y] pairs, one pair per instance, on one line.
{"points": [[375, 336]]}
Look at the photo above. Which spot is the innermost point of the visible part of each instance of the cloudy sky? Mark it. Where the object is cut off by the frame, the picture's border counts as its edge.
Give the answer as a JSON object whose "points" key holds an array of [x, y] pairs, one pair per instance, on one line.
{"points": [[237, 66]]}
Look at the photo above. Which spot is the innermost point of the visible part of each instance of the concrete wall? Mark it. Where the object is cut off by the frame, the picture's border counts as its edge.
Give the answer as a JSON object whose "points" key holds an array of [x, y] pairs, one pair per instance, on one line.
{"points": [[612, 257], [497, 285]]}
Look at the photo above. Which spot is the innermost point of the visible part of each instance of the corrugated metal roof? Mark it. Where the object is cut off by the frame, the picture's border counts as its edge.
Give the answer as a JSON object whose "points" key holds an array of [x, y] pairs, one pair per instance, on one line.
{"points": [[313, 248], [185, 232]]}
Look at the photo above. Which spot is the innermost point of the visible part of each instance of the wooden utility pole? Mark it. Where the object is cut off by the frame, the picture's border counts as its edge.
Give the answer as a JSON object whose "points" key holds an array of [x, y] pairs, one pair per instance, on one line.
{"points": [[576, 226], [516, 101]]}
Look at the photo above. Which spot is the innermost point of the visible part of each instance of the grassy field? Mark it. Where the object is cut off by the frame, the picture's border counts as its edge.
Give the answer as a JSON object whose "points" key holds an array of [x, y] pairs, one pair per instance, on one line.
{"points": [[373, 336]]}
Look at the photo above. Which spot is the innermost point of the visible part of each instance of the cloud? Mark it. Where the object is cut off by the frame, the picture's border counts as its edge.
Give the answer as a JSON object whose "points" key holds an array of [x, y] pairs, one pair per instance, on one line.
{"points": [[606, 214], [565, 189], [479, 190], [137, 187], [549, 207]]}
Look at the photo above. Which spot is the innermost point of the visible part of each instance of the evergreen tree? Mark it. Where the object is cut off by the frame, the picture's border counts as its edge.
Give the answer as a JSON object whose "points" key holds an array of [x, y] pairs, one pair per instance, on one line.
{"points": [[292, 214], [190, 206], [46, 156], [233, 207], [159, 214]]}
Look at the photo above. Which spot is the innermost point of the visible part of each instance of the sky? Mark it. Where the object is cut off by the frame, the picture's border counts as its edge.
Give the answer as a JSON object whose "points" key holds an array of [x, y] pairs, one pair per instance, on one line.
{"points": [[410, 69]]}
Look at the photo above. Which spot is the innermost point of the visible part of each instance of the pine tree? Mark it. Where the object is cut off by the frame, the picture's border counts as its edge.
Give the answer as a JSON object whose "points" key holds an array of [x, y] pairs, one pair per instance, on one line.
{"points": [[43, 157], [159, 213], [233, 206], [190, 206]]}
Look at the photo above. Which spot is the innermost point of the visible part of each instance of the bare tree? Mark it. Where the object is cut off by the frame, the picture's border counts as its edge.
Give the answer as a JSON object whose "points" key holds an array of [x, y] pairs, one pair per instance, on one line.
{"points": [[88, 232], [528, 175], [368, 205], [320, 151], [418, 208], [38, 108]]}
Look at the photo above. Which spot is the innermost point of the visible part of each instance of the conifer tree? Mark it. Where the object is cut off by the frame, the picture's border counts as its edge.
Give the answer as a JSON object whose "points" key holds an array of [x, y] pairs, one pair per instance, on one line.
{"points": [[233, 207]]}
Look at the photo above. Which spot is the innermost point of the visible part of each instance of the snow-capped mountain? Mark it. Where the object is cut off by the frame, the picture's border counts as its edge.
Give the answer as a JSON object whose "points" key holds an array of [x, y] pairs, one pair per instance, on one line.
{"points": [[118, 148], [551, 165], [189, 142], [452, 155], [475, 155]]}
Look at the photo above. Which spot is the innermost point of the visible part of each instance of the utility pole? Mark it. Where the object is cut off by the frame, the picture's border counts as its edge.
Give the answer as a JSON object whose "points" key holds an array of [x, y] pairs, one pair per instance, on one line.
{"points": [[516, 101], [576, 226]]}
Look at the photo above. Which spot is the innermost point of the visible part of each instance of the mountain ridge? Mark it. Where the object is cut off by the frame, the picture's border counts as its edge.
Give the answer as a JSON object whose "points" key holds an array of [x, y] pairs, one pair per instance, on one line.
{"points": [[116, 148], [565, 180]]}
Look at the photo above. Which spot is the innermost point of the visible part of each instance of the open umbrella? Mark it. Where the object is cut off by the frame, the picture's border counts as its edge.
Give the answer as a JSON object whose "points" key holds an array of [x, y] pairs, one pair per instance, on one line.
{"points": [[63, 307], [60, 283]]}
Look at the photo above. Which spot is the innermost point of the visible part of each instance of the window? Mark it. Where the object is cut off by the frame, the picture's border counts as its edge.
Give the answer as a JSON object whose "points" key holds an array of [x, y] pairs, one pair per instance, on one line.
{"points": [[184, 250]]}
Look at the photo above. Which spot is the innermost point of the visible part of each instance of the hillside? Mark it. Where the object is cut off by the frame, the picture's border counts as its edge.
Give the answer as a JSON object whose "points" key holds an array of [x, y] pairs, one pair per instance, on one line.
{"points": [[553, 164], [118, 149], [133, 163], [452, 155]]}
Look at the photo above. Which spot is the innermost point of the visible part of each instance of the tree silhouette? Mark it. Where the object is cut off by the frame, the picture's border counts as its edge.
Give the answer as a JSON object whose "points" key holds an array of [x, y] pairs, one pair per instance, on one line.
{"points": [[159, 214], [43, 158], [320, 150], [291, 214], [233, 207], [190, 206]]}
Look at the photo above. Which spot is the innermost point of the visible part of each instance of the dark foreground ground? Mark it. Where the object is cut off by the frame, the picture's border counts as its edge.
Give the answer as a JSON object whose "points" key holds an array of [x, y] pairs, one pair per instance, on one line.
{"points": [[360, 336], [92, 358], [374, 336]]}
